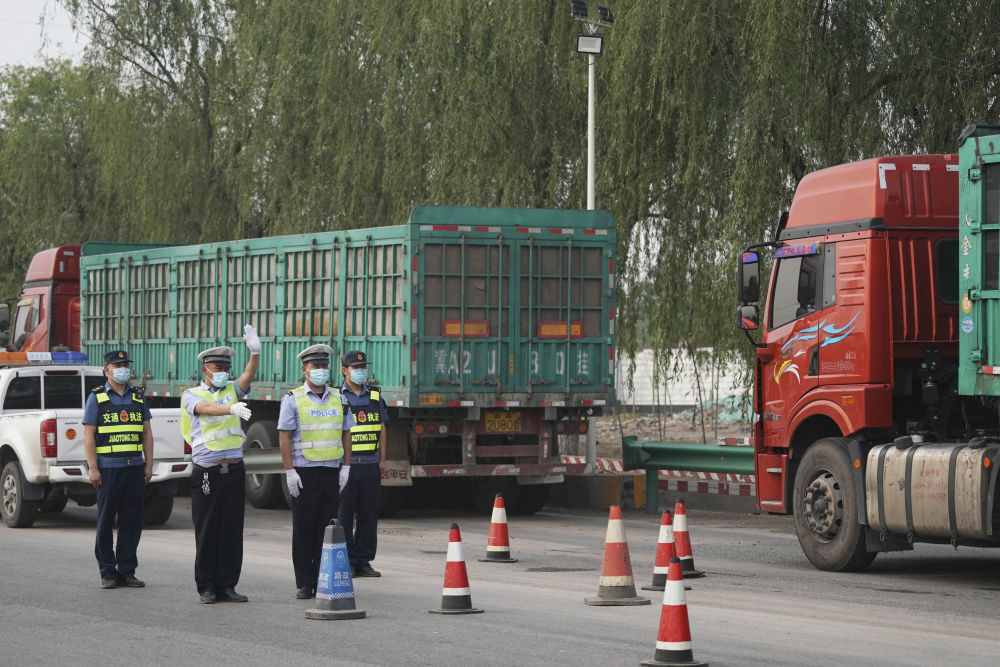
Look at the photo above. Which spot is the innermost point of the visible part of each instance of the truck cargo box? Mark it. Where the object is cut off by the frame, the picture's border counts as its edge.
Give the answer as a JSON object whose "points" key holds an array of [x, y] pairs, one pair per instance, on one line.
{"points": [[459, 307]]}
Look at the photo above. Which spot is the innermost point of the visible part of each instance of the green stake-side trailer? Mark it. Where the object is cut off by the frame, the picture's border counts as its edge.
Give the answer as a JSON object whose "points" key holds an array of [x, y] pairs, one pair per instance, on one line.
{"points": [[489, 331]]}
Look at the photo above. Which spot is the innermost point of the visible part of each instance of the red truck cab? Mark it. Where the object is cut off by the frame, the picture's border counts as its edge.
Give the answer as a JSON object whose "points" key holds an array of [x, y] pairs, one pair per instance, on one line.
{"points": [[860, 325], [47, 317]]}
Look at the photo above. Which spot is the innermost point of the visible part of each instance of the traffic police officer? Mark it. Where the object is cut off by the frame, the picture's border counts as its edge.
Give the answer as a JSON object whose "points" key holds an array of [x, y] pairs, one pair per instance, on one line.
{"points": [[314, 438], [116, 436], [210, 421], [362, 480]]}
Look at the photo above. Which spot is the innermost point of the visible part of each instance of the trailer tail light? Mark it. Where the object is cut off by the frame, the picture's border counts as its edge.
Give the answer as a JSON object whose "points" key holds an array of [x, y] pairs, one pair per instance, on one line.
{"points": [[583, 426], [443, 429], [47, 438], [418, 429]]}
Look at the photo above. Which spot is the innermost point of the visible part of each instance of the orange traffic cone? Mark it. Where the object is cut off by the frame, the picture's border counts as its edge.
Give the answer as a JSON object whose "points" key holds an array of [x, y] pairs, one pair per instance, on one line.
{"points": [[664, 552], [456, 598], [617, 587], [673, 640], [498, 546], [682, 542]]}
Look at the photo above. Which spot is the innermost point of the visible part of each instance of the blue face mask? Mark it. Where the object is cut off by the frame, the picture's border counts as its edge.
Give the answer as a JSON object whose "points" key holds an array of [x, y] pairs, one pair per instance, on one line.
{"points": [[319, 376], [220, 379], [359, 375], [121, 375]]}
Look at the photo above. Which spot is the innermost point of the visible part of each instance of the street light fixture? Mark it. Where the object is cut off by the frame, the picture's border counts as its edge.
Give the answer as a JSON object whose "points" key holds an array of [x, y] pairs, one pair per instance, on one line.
{"points": [[590, 44]]}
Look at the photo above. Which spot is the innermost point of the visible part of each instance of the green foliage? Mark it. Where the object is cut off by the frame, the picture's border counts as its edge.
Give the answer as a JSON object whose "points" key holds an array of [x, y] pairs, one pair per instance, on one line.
{"points": [[201, 120]]}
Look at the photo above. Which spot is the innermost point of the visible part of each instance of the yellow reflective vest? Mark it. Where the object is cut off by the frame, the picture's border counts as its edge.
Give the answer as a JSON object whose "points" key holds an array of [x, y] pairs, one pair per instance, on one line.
{"points": [[218, 432], [320, 426], [367, 425]]}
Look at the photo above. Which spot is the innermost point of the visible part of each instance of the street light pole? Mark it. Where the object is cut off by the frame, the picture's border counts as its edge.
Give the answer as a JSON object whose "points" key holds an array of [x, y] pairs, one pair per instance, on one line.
{"points": [[591, 45], [591, 132]]}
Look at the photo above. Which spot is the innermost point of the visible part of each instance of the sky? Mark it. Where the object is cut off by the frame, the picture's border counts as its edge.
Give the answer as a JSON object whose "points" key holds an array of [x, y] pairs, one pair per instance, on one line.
{"points": [[23, 40]]}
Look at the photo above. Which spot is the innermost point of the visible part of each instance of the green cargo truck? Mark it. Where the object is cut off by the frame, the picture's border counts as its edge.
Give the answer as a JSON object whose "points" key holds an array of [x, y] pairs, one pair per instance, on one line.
{"points": [[489, 331]]}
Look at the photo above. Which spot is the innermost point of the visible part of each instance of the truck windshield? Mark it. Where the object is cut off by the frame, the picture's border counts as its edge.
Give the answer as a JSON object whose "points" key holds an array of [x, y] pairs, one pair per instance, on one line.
{"points": [[25, 320]]}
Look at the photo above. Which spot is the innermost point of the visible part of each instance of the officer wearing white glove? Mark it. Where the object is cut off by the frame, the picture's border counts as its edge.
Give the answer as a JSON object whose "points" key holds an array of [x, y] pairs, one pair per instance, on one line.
{"points": [[212, 416], [251, 339], [345, 473], [294, 482], [314, 437]]}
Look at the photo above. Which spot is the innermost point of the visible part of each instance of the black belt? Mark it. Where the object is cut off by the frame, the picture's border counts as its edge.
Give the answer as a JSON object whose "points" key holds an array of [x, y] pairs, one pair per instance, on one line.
{"points": [[224, 468]]}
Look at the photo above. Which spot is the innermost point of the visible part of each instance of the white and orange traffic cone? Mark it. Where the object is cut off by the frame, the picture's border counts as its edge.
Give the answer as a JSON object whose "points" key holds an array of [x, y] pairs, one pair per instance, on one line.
{"points": [[664, 552], [673, 640], [617, 587], [498, 546], [682, 543], [456, 598]]}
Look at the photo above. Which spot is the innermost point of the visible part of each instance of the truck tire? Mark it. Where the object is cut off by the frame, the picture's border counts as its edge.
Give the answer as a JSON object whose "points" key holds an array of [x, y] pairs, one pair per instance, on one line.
{"points": [[391, 499], [157, 509], [264, 491], [826, 509], [529, 498], [17, 512]]}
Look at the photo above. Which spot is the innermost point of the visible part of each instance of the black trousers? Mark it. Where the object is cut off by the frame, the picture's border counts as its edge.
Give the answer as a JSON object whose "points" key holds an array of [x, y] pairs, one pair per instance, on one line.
{"points": [[311, 514], [120, 495], [218, 525], [358, 512]]}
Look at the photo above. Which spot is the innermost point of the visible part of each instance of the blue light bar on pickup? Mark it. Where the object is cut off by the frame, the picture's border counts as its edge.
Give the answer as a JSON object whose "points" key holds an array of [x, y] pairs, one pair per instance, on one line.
{"points": [[43, 358]]}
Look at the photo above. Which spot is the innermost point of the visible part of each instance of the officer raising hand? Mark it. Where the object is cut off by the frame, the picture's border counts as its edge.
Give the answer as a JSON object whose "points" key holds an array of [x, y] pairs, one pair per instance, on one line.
{"points": [[211, 415]]}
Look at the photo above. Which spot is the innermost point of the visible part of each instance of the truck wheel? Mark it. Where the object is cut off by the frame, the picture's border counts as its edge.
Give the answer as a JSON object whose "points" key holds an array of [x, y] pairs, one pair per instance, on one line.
{"points": [[157, 509], [529, 498], [264, 491], [17, 512], [826, 509]]}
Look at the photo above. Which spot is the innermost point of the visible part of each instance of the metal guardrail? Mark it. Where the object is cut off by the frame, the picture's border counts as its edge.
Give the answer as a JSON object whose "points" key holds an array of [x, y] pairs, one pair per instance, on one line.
{"points": [[263, 461], [655, 456]]}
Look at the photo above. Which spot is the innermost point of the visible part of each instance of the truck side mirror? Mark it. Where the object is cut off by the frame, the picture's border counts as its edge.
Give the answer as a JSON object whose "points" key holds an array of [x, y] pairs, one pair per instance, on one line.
{"points": [[4, 317], [748, 280], [748, 317]]}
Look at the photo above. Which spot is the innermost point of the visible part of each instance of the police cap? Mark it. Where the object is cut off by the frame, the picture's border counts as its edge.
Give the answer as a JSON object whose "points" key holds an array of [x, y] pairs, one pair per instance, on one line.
{"points": [[117, 357], [354, 358], [317, 354], [222, 355]]}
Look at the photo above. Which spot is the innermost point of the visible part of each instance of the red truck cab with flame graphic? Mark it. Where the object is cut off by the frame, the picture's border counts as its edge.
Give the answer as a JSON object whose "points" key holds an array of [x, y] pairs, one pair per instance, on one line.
{"points": [[860, 314]]}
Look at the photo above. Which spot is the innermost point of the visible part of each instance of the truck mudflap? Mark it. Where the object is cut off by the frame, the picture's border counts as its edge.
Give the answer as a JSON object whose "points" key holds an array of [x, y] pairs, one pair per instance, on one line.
{"points": [[939, 490]]}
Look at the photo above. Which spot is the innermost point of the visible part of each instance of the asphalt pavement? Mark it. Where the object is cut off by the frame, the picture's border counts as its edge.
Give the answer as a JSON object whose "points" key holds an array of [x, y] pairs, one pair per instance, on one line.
{"points": [[760, 603]]}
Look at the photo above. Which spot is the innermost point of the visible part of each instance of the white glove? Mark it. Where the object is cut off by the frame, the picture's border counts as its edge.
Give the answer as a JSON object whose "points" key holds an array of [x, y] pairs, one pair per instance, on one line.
{"points": [[252, 339], [294, 482], [240, 410], [345, 472]]}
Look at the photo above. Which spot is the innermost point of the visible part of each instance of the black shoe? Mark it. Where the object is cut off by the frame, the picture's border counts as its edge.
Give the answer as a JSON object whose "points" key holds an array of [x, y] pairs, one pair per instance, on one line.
{"points": [[304, 593], [109, 582], [207, 596], [129, 581], [230, 595], [366, 571]]}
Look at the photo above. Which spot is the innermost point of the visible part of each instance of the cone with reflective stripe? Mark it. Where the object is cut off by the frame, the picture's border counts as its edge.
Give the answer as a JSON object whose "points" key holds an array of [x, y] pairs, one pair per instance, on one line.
{"points": [[498, 546], [664, 552], [335, 588], [617, 587], [456, 598], [682, 543], [673, 640]]}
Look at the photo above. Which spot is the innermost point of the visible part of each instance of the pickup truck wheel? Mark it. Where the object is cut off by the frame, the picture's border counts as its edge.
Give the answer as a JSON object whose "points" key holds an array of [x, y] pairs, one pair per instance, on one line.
{"points": [[157, 509], [17, 512], [826, 509], [264, 491]]}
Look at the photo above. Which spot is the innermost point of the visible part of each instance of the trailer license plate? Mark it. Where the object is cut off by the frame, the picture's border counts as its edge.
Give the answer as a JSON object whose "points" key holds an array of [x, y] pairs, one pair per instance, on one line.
{"points": [[504, 421]]}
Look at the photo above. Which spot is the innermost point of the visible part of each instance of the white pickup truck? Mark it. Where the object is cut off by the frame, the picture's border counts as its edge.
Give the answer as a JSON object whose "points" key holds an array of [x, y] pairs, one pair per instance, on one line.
{"points": [[42, 461]]}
